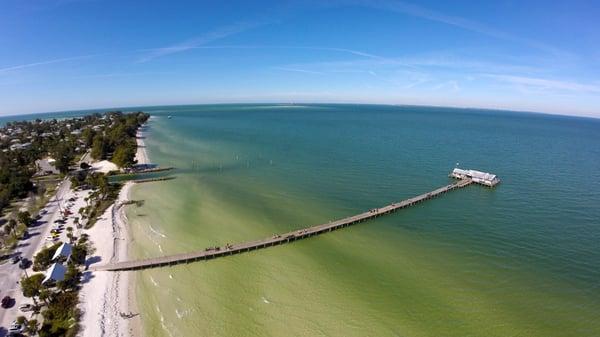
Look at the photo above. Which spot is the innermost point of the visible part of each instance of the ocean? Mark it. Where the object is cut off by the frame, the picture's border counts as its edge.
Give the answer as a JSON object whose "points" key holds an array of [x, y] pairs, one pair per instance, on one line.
{"points": [[521, 259]]}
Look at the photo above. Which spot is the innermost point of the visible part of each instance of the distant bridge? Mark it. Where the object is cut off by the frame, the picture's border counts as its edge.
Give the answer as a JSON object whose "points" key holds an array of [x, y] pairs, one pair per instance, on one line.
{"points": [[216, 252]]}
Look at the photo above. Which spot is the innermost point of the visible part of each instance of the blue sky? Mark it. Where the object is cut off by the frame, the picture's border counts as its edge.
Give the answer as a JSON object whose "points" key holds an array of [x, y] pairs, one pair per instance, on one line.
{"points": [[523, 55]]}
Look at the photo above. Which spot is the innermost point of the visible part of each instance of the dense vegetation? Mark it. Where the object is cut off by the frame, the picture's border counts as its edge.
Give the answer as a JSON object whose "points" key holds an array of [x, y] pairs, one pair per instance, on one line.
{"points": [[43, 259], [110, 136], [15, 174], [118, 142], [59, 299]]}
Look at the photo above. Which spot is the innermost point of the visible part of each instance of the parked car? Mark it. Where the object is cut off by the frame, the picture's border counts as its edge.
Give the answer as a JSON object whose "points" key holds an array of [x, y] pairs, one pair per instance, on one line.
{"points": [[16, 259], [6, 302], [51, 238], [16, 329], [25, 263]]}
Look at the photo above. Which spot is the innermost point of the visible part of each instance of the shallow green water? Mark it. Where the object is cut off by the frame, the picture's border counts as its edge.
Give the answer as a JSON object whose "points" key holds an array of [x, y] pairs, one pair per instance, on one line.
{"points": [[518, 260]]}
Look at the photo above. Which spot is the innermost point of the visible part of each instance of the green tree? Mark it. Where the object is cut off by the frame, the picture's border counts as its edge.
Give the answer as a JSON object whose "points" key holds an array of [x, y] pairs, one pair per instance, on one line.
{"points": [[70, 235], [33, 326], [45, 295], [64, 155], [99, 181], [32, 285], [87, 135], [79, 253], [124, 155], [98, 148], [10, 227], [61, 315], [43, 259], [25, 218]]}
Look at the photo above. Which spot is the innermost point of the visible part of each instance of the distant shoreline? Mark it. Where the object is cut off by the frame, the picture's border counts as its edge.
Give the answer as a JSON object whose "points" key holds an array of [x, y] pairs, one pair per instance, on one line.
{"points": [[81, 112]]}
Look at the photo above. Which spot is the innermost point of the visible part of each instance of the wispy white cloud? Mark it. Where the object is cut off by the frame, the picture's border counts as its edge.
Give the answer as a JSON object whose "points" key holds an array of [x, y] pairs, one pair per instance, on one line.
{"points": [[333, 49], [217, 34], [349, 51], [430, 63], [546, 84], [124, 74], [456, 21], [41, 63], [297, 70]]}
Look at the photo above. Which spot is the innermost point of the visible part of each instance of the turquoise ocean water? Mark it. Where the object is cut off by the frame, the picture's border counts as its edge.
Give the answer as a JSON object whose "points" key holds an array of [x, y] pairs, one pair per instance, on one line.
{"points": [[522, 259]]}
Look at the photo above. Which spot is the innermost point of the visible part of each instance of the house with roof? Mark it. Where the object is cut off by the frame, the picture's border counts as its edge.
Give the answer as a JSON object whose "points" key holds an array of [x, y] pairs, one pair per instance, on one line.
{"points": [[63, 252], [55, 273]]}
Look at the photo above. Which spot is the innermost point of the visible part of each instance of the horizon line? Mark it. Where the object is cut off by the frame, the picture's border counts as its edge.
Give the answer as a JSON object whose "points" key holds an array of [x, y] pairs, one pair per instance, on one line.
{"points": [[118, 108]]}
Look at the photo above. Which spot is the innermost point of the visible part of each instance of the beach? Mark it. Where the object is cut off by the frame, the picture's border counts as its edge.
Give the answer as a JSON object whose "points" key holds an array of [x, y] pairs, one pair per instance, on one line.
{"points": [[105, 296]]}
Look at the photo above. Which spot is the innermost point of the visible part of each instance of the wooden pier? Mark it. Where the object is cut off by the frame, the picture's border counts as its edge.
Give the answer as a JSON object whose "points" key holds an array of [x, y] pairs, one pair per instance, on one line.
{"points": [[216, 252]]}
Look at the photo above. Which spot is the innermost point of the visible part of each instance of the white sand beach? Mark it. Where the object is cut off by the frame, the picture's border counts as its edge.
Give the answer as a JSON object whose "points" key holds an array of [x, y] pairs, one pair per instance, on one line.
{"points": [[105, 295], [104, 166]]}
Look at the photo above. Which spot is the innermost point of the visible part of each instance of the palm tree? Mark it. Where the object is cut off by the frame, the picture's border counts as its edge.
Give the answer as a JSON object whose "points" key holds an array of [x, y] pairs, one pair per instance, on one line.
{"points": [[33, 327], [45, 295], [70, 234]]}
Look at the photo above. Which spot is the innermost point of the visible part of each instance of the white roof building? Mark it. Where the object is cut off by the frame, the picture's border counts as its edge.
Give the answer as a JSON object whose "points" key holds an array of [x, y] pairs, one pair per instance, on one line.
{"points": [[63, 251], [479, 177], [55, 273]]}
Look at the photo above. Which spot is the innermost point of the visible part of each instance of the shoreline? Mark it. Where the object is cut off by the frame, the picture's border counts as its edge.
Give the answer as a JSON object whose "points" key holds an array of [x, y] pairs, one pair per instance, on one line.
{"points": [[105, 295]]}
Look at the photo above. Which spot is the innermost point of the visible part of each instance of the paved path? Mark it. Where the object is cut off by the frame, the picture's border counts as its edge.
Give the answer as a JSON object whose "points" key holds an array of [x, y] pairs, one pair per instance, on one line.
{"points": [[10, 273]]}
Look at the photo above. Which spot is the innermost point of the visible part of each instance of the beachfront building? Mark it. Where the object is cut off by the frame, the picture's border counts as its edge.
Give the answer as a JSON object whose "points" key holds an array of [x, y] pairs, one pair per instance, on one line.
{"points": [[483, 178], [63, 252], [55, 273]]}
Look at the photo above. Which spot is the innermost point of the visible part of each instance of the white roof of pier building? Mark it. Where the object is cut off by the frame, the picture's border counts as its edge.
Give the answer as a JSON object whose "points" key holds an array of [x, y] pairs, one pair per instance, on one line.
{"points": [[475, 174]]}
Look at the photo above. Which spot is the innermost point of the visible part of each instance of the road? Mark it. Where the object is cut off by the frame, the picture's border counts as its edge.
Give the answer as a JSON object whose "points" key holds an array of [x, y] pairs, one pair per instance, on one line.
{"points": [[10, 273]]}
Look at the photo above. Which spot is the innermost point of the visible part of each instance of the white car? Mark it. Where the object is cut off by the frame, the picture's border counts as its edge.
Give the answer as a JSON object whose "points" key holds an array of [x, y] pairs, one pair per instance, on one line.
{"points": [[15, 328], [51, 238]]}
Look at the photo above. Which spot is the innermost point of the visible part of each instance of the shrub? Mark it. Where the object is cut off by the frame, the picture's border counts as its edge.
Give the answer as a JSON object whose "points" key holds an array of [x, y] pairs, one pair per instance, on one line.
{"points": [[61, 316], [43, 259]]}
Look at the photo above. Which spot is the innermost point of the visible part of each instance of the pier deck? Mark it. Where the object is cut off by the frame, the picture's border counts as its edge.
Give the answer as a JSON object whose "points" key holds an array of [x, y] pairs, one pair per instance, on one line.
{"points": [[216, 252]]}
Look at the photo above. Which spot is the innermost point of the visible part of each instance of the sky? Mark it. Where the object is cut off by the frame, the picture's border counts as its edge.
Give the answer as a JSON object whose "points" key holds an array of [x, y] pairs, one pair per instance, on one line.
{"points": [[541, 56]]}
